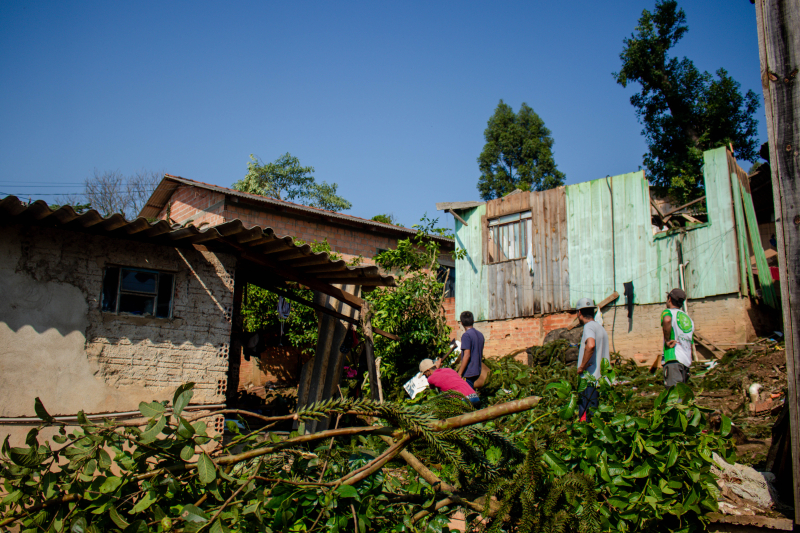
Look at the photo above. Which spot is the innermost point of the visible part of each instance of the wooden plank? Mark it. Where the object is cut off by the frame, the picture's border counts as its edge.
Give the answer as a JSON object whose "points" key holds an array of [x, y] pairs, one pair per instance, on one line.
{"points": [[710, 346], [741, 233], [764, 276], [444, 206], [778, 26], [684, 206], [608, 299], [457, 217], [563, 254], [320, 308]]}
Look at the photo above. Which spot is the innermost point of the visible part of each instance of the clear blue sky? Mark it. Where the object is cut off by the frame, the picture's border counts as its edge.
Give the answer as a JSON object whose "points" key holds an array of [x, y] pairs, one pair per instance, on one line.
{"points": [[387, 99]]}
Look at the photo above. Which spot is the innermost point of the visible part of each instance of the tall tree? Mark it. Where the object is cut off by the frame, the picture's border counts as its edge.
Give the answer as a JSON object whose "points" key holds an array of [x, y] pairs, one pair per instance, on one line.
{"points": [[286, 179], [683, 111], [518, 154]]}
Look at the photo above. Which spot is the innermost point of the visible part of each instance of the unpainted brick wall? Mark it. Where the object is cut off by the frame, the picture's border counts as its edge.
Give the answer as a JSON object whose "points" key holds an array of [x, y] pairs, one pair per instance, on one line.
{"points": [[145, 353], [195, 204], [721, 319]]}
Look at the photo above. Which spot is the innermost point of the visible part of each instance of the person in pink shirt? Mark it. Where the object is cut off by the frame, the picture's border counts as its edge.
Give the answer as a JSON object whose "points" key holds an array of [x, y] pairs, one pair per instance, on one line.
{"points": [[446, 379]]}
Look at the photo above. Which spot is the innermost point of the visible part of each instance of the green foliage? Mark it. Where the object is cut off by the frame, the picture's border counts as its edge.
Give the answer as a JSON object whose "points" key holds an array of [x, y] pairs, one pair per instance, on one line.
{"points": [[544, 496], [386, 219], [412, 310], [518, 154], [684, 112], [79, 207], [260, 309], [113, 477], [285, 179]]}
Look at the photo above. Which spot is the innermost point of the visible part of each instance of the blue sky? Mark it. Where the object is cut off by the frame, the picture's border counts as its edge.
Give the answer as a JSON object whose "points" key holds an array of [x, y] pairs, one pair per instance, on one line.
{"points": [[387, 99]]}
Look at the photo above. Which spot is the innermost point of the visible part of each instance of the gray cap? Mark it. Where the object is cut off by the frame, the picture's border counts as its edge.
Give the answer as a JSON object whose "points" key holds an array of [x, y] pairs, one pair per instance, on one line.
{"points": [[583, 303]]}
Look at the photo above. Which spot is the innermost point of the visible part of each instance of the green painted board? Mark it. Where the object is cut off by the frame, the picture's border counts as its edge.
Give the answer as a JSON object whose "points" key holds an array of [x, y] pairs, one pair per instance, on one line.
{"points": [[745, 269], [634, 254], [764, 275], [471, 286]]}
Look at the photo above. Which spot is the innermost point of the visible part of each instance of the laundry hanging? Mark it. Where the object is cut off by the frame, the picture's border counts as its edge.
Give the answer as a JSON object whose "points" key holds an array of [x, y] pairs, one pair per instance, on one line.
{"points": [[284, 308]]}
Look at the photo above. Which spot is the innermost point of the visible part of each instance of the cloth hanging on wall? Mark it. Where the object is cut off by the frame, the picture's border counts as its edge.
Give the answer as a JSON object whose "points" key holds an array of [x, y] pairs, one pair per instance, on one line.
{"points": [[629, 297]]}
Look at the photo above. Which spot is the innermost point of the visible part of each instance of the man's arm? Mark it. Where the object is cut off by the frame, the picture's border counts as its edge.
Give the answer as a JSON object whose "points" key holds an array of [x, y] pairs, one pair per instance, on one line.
{"points": [[464, 362], [666, 328], [588, 355]]}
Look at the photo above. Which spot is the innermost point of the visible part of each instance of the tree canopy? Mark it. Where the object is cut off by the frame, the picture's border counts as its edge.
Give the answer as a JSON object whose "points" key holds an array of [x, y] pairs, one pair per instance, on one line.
{"points": [[286, 179], [518, 154], [684, 112]]}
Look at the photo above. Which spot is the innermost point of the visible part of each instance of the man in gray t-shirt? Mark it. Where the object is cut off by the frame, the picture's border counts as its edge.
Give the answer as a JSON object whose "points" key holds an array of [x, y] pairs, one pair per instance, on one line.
{"points": [[594, 348]]}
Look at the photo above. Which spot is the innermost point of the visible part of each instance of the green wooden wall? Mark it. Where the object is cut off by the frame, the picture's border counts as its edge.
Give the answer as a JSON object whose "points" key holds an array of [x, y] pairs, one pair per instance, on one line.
{"points": [[471, 291], [596, 253], [651, 263]]}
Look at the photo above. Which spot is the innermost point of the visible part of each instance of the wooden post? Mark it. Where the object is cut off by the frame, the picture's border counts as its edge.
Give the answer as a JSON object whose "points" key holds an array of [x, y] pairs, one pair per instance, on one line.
{"points": [[376, 391], [778, 23]]}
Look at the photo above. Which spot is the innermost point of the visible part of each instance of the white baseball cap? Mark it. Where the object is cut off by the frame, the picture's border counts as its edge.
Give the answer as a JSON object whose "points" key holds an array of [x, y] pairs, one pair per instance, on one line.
{"points": [[425, 365], [583, 303]]}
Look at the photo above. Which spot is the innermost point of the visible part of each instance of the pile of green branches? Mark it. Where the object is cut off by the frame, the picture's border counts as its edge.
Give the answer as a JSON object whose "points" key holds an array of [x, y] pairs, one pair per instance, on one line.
{"points": [[167, 473]]}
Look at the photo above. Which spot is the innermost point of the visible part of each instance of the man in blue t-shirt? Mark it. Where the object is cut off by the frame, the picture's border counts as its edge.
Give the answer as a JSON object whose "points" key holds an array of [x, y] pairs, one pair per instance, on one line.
{"points": [[471, 350]]}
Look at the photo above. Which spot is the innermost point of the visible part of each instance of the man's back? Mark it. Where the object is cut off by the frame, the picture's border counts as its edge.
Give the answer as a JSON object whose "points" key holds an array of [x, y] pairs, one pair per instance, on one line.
{"points": [[473, 340], [593, 330]]}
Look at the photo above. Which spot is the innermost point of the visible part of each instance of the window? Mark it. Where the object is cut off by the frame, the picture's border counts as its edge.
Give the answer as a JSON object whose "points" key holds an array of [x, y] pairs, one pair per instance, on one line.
{"points": [[447, 275], [508, 237], [136, 291]]}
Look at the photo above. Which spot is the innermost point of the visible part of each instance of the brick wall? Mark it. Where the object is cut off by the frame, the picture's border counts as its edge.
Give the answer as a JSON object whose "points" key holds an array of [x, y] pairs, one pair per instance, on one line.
{"points": [[78, 357], [195, 204], [449, 305], [722, 319]]}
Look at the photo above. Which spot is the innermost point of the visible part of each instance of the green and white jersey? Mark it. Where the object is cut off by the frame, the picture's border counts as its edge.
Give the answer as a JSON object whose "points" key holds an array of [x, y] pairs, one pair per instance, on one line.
{"points": [[683, 332]]}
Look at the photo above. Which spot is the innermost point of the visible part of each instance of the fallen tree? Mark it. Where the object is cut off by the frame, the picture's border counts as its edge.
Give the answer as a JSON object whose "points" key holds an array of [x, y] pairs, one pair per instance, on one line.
{"points": [[170, 474]]}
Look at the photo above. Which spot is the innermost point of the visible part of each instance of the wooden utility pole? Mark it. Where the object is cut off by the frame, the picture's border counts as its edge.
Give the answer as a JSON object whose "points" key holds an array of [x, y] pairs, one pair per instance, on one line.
{"points": [[779, 51]]}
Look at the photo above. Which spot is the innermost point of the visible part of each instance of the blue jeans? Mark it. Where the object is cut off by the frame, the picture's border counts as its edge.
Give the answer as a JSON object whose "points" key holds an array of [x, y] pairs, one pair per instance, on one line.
{"points": [[471, 380], [589, 398]]}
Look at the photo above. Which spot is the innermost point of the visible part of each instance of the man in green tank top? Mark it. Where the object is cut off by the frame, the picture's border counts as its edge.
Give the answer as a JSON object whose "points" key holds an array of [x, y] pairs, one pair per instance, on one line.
{"points": [[678, 330]]}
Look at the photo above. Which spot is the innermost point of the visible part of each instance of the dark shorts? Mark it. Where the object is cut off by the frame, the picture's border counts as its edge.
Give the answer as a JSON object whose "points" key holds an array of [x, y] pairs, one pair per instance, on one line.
{"points": [[588, 400], [674, 373]]}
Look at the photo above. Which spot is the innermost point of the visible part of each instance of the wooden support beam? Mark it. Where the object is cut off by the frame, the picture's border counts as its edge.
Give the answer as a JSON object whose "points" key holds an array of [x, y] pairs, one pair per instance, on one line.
{"points": [[444, 206], [778, 24], [457, 217], [343, 296], [710, 346], [684, 206], [610, 298], [321, 308]]}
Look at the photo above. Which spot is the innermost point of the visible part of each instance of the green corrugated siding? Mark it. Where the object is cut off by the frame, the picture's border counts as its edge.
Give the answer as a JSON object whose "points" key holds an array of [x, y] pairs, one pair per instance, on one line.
{"points": [[651, 264], [471, 291]]}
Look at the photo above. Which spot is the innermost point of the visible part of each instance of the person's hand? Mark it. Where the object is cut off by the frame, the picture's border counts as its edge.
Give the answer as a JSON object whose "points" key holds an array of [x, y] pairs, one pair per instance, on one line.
{"points": [[671, 344]]}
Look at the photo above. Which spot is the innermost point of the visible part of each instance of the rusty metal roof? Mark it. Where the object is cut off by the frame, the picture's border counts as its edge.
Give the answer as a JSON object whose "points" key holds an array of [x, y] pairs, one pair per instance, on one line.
{"points": [[170, 183], [259, 245]]}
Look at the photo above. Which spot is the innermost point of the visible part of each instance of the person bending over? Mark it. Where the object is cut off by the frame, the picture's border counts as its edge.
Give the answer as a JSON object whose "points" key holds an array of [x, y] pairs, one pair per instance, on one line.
{"points": [[446, 379]]}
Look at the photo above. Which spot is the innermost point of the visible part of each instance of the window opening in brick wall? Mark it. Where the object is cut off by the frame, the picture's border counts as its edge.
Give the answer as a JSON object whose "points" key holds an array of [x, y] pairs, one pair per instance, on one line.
{"points": [[136, 291], [450, 283], [508, 237]]}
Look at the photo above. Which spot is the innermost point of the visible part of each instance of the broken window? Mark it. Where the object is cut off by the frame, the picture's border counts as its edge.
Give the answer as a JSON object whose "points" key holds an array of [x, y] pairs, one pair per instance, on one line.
{"points": [[508, 237], [136, 291]]}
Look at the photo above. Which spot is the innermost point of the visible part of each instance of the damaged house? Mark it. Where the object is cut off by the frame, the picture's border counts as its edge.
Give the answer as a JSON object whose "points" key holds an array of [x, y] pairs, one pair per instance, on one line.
{"points": [[100, 313], [532, 255]]}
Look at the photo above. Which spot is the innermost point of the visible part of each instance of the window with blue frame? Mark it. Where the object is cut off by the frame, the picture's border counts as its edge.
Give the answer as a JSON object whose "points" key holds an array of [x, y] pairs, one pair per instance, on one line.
{"points": [[137, 291]]}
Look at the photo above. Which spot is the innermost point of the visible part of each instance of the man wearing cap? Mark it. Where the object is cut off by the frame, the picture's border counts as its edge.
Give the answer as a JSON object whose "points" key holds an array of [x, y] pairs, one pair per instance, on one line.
{"points": [[678, 330], [594, 348], [446, 379]]}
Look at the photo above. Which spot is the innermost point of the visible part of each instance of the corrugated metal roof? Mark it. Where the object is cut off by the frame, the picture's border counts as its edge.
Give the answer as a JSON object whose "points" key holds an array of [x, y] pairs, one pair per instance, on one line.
{"points": [[260, 244], [170, 183]]}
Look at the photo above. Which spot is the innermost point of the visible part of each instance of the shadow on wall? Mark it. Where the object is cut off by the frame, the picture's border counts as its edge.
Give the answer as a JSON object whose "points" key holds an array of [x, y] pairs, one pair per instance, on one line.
{"points": [[56, 343]]}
